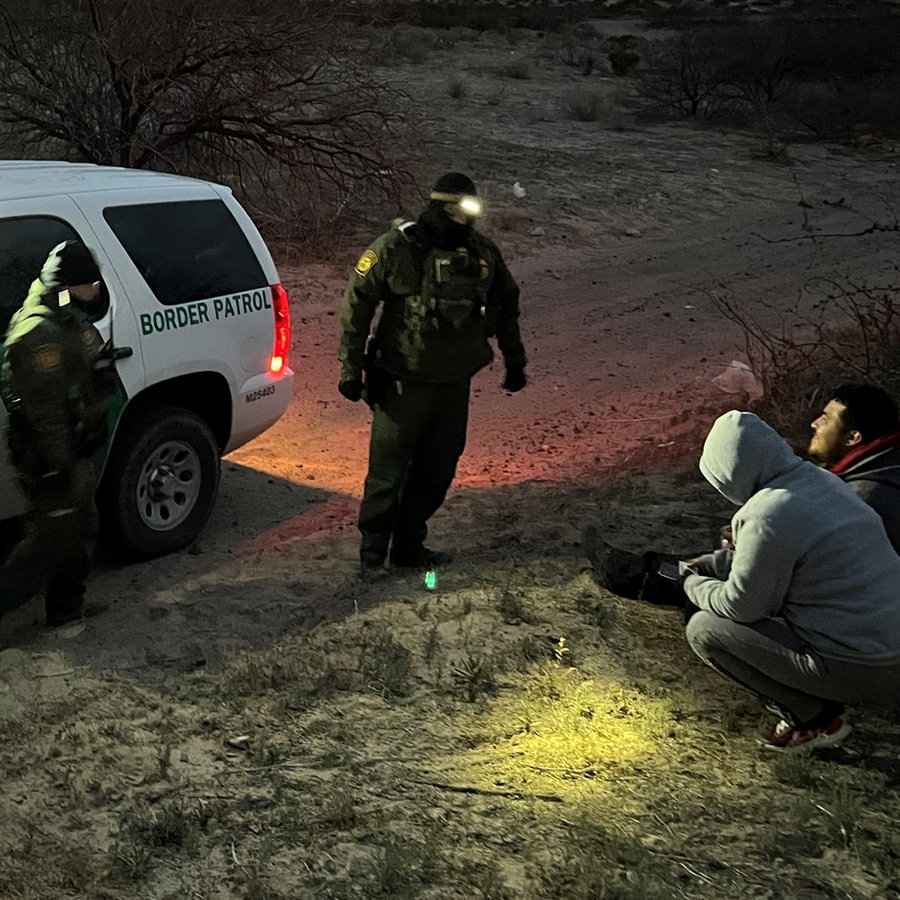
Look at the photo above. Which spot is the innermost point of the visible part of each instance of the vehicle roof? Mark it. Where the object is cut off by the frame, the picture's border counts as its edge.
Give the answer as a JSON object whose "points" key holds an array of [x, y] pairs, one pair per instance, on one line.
{"points": [[20, 178]]}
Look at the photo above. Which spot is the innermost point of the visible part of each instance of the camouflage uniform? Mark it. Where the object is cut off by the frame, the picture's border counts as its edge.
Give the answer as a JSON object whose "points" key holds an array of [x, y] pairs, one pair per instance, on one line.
{"points": [[437, 311], [58, 419]]}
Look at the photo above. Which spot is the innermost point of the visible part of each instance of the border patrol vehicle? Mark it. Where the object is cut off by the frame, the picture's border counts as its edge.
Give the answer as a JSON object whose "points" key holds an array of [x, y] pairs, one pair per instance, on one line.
{"points": [[198, 321]]}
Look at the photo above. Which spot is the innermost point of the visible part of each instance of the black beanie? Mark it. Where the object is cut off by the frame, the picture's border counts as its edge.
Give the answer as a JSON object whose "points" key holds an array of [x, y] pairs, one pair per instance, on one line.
{"points": [[454, 183], [69, 263]]}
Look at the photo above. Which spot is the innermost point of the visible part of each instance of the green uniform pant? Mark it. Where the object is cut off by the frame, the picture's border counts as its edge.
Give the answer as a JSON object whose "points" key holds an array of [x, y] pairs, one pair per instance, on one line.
{"points": [[54, 555], [418, 436]]}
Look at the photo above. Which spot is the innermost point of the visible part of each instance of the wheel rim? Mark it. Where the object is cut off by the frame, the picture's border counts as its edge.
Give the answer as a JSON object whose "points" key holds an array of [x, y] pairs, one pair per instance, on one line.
{"points": [[169, 485]]}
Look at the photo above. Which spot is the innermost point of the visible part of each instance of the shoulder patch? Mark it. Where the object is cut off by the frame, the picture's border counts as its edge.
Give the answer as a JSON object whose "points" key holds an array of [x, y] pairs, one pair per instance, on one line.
{"points": [[366, 261], [47, 358]]}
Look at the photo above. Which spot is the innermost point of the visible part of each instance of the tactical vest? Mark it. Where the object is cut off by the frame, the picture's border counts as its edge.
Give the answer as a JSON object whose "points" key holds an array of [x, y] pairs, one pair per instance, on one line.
{"points": [[444, 327], [453, 286]]}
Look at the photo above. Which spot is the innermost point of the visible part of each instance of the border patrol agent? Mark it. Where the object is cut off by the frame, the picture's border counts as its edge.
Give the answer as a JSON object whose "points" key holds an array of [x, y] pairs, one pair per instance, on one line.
{"points": [[54, 388], [441, 290]]}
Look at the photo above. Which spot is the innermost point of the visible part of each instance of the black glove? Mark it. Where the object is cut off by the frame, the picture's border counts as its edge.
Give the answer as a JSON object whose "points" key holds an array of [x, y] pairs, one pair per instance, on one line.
{"points": [[515, 379], [351, 389], [378, 383]]}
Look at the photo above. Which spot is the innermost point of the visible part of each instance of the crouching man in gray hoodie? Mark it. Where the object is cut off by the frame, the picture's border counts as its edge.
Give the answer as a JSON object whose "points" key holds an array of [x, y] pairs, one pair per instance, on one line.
{"points": [[807, 614]]}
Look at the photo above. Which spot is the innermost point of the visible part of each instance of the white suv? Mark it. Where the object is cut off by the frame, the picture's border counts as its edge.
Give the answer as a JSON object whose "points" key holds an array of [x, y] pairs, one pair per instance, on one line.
{"points": [[197, 313]]}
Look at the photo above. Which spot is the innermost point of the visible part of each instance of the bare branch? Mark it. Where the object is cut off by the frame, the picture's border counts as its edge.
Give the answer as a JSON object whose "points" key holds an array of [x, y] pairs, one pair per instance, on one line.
{"points": [[240, 91]]}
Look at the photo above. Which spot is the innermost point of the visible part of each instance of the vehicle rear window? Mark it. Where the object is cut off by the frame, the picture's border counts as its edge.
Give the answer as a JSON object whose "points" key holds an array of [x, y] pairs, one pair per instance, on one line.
{"points": [[25, 244], [187, 250]]}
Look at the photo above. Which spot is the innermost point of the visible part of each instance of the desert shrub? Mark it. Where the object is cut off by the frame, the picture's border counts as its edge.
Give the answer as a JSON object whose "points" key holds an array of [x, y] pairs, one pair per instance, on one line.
{"points": [[473, 676], [497, 95], [586, 105], [401, 867], [518, 68], [220, 90], [385, 664], [759, 61], [623, 58], [578, 54], [850, 333], [588, 62], [408, 43], [457, 88], [623, 61], [836, 111], [833, 80], [817, 108], [685, 74], [777, 135]]}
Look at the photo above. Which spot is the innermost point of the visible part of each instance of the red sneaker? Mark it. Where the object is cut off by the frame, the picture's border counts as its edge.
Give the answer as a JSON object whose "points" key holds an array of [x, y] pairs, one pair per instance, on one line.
{"points": [[784, 737]]}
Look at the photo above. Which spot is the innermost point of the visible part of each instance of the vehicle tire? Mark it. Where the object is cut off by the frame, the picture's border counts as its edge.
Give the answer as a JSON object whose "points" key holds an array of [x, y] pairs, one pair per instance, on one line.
{"points": [[160, 482]]}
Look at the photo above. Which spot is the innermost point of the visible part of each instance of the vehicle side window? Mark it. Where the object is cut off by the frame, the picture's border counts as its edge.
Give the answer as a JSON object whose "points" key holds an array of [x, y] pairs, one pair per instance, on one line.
{"points": [[187, 250], [25, 244]]}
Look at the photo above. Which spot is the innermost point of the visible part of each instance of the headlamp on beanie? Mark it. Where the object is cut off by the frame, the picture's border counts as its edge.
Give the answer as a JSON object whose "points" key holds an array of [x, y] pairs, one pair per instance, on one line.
{"points": [[454, 187], [471, 206]]}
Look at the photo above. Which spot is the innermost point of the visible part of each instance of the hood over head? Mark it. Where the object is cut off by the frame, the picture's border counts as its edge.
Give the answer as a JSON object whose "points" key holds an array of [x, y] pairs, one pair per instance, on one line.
{"points": [[69, 263], [742, 454]]}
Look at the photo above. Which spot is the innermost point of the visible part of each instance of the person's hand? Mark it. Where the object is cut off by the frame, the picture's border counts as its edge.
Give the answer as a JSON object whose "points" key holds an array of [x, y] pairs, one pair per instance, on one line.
{"points": [[726, 536], [515, 379], [352, 389]]}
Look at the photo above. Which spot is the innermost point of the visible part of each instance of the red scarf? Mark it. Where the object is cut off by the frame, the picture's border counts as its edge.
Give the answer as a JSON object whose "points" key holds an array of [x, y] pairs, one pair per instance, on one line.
{"points": [[891, 439]]}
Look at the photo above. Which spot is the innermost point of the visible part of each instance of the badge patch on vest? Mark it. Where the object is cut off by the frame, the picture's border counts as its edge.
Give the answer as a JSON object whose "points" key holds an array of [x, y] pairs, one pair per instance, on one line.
{"points": [[47, 358], [366, 261]]}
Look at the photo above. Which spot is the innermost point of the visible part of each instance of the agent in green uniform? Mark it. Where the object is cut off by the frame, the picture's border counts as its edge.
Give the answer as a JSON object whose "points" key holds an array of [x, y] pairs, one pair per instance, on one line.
{"points": [[56, 395], [439, 290]]}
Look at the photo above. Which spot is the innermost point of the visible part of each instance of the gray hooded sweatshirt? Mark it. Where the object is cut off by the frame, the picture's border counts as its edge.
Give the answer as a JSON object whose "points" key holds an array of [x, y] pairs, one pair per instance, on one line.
{"points": [[807, 549]]}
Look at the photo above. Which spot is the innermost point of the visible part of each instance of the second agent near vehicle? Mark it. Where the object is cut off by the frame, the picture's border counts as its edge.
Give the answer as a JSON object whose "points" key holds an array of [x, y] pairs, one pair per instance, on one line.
{"points": [[190, 303]]}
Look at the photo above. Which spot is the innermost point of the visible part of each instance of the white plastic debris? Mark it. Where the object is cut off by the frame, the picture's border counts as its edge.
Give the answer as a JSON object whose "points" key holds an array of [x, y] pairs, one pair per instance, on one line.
{"points": [[738, 378], [518, 190]]}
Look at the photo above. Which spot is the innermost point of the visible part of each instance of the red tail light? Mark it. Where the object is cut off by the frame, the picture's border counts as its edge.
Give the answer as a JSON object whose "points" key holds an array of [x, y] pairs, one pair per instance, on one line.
{"points": [[282, 310]]}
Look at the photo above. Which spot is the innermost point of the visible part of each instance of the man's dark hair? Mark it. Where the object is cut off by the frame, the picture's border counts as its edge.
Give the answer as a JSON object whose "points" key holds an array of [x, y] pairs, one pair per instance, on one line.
{"points": [[869, 410]]}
